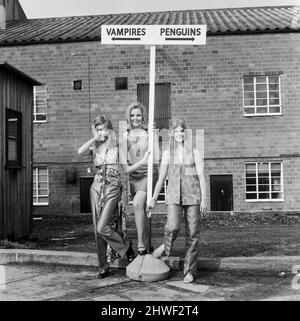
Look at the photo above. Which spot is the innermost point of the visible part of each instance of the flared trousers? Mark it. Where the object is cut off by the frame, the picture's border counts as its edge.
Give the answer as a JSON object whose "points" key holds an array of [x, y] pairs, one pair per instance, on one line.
{"points": [[192, 228], [104, 206]]}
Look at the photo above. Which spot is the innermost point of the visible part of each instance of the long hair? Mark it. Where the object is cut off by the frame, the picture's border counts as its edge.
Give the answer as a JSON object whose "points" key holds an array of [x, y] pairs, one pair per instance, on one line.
{"points": [[187, 143], [141, 107], [103, 120]]}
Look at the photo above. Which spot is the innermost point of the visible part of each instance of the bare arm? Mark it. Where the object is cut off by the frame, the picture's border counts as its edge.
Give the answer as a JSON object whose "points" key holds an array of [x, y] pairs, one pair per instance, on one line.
{"points": [[156, 151], [88, 144], [199, 162], [162, 177]]}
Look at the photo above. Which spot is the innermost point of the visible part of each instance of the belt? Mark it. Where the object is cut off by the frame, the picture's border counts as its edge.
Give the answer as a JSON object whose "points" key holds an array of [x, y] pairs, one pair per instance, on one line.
{"points": [[100, 170]]}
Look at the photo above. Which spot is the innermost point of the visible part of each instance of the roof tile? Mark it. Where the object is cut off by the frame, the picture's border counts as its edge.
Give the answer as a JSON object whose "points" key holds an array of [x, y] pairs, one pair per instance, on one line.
{"points": [[218, 21]]}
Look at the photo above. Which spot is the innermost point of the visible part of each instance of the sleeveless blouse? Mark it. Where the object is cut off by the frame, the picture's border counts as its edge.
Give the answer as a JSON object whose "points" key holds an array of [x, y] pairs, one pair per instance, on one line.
{"points": [[110, 157], [183, 181]]}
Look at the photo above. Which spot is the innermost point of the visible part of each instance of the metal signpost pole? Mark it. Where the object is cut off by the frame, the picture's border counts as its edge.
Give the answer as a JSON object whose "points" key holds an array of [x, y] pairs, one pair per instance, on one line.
{"points": [[150, 133]]}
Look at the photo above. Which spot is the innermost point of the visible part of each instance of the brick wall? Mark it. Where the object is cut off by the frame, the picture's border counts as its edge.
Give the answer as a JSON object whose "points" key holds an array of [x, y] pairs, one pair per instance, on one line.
{"points": [[206, 89]]}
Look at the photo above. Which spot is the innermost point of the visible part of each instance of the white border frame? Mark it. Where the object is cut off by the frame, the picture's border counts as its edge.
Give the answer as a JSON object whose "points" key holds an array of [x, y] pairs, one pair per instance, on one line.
{"points": [[268, 106], [34, 105], [256, 169], [36, 169]]}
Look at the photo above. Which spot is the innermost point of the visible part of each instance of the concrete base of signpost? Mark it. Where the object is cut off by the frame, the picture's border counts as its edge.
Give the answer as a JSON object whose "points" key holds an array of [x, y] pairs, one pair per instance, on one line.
{"points": [[147, 268]]}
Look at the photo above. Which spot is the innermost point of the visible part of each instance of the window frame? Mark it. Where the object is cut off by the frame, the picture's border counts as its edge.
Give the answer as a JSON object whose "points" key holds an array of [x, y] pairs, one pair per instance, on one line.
{"points": [[37, 181], [163, 201], [268, 96], [19, 161], [35, 114], [257, 200], [163, 194]]}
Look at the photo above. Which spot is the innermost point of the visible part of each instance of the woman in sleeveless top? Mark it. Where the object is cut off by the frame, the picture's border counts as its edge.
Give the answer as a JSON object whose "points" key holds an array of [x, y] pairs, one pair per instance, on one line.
{"points": [[134, 148], [185, 193], [105, 193]]}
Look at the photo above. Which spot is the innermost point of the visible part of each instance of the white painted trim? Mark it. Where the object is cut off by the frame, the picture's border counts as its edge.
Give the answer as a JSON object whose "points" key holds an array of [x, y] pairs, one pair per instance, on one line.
{"points": [[268, 106], [265, 201], [35, 114], [36, 170], [257, 200]]}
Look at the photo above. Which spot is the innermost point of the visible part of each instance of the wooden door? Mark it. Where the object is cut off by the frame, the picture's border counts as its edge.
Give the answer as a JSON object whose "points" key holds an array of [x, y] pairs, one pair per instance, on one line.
{"points": [[221, 192], [162, 114]]}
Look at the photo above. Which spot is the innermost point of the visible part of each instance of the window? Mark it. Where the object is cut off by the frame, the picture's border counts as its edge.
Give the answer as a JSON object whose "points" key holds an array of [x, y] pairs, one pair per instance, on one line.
{"points": [[40, 104], [121, 83], [161, 195], [261, 96], [13, 138], [40, 186], [2, 17], [264, 181], [77, 84]]}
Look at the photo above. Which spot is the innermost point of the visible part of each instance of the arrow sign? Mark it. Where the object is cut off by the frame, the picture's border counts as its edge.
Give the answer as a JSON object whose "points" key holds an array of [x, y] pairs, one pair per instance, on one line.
{"points": [[181, 39], [126, 39], [153, 34]]}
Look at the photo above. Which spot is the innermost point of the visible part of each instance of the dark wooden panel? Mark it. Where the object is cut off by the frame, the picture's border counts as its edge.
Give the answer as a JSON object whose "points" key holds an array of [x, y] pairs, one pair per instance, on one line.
{"points": [[162, 113], [221, 191], [1, 155], [16, 184], [85, 184]]}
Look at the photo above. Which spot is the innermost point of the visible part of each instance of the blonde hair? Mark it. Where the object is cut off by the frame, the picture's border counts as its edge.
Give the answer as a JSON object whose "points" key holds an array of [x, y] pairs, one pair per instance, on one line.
{"points": [[141, 107], [174, 123]]}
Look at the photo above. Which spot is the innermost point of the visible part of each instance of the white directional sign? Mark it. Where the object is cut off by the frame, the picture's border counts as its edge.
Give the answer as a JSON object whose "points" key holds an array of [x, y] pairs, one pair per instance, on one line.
{"points": [[153, 34]]}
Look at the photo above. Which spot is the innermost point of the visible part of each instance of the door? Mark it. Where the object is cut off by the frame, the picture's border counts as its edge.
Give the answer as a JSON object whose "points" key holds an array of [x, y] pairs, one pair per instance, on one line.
{"points": [[162, 113], [221, 192], [85, 184]]}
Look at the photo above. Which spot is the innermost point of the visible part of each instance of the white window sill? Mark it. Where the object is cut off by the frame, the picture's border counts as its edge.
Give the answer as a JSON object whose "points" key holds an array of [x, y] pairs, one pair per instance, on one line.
{"points": [[262, 115], [264, 201], [40, 204], [40, 121]]}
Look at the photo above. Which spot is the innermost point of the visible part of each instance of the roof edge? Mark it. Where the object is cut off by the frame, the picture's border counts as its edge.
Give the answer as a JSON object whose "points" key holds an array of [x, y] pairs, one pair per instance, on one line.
{"points": [[6, 66], [209, 34], [164, 11]]}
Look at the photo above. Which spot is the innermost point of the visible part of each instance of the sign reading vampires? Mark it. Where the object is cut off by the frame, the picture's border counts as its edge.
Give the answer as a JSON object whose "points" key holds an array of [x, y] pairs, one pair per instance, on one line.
{"points": [[153, 34]]}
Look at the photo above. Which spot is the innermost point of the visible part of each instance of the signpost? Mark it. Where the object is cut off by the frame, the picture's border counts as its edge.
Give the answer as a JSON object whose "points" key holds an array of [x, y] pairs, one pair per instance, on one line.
{"points": [[152, 35]]}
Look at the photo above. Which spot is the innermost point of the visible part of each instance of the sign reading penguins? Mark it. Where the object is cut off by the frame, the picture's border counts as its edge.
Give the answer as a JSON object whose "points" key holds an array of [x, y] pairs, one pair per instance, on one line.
{"points": [[153, 34]]}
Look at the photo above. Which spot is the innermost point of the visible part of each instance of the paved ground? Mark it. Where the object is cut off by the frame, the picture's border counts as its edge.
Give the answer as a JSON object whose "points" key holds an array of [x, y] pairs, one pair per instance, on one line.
{"points": [[62, 283]]}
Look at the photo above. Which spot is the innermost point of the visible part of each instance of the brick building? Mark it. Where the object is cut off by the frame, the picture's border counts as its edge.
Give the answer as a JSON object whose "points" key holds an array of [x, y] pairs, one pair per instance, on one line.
{"points": [[242, 88]]}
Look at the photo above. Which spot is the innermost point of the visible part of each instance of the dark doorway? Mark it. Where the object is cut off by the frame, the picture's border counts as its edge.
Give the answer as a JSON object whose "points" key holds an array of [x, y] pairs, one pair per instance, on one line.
{"points": [[162, 113], [221, 192], [85, 184]]}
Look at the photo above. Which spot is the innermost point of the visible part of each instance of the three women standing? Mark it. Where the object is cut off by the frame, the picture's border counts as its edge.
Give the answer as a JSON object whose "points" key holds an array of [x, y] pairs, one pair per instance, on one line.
{"points": [[185, 193]]}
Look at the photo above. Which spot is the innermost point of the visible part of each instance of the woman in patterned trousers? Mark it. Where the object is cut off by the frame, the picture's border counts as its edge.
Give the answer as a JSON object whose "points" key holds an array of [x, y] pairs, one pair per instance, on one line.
{"points": [[185, 194]]}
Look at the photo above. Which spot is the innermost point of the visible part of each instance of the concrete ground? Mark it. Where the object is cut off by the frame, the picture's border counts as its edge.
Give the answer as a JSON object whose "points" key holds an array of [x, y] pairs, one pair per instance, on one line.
{"points": [[41, 282], [240, 259]]}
